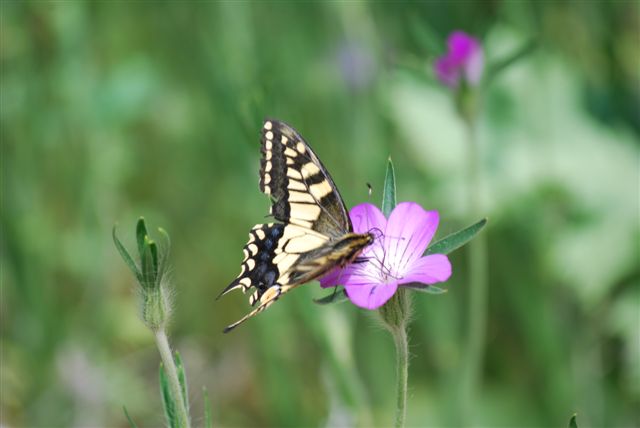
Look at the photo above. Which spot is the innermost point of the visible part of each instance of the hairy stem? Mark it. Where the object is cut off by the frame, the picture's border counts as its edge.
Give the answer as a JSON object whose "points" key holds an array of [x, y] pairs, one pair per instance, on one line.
{"points": [[402, 372], [172, 375]]}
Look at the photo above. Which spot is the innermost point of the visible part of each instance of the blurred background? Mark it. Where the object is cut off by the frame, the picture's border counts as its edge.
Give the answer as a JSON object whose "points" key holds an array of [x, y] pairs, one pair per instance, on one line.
{"points": [[110, 111]]}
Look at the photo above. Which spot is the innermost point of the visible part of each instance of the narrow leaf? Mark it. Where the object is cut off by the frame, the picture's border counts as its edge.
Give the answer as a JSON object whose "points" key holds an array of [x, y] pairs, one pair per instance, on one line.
{"points": [[337, 296], [456, 239], [126, 257], [425, 288], [389, 190], [208, 420], [168, 402], [573, 423], [141, 234], [131, 423], [182, 378]]}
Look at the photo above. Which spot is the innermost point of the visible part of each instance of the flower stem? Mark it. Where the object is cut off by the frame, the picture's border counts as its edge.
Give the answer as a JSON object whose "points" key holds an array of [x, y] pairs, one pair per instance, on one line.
{"points": [[172, 376], [478, 284], [402, 371]]}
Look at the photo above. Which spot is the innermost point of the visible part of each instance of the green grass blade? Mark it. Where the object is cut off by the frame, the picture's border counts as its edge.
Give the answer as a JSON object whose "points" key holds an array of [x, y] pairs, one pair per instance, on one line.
{"points": [[456, 239], [132, 424], [208, 420], [389, 201], [337, 296], [168, 402], [125, 256]]}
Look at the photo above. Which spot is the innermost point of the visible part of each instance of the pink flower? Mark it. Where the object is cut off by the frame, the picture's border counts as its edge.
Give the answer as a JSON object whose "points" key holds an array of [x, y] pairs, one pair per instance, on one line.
{"points": [[464, 59], [395, 258]]}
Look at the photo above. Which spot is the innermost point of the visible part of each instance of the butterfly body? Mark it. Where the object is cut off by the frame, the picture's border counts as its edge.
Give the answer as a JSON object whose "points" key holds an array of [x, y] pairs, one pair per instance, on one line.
{"points": [[313, 233]]}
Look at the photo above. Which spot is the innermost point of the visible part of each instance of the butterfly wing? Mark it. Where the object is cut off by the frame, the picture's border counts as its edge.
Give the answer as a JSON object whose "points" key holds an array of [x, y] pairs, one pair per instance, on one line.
{"points": [[301, 189]]}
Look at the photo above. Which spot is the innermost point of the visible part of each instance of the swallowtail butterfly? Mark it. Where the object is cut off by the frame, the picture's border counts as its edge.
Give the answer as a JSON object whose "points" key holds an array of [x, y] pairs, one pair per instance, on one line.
{"points": [[312, 233]]}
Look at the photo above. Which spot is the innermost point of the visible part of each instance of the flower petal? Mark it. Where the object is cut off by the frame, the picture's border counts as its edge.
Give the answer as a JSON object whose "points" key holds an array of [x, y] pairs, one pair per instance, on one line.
{"points": [[428, 270], [409, 230], [365, 217], [370, 296]]}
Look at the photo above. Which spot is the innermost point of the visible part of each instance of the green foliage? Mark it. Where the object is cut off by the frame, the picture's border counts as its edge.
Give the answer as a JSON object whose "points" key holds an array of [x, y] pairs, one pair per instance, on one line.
{"points": [[389, 200], [109, 110], [168, 400], [456, 240], [573, 423]]}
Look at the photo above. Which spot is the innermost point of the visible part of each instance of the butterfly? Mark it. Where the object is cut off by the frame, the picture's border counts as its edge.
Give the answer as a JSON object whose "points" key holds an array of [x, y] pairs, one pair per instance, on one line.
{"points": [[312, 233]]}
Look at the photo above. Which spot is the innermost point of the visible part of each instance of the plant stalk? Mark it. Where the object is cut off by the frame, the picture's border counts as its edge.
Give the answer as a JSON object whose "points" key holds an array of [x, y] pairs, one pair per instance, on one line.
{"points": [[172, 374], [478, 283], [402, 372]]}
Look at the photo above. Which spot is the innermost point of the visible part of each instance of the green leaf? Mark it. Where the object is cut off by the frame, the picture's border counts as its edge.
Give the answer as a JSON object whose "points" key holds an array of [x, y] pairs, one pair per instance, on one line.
{"points": [[389, 190], [456, 239], [126, 413], [168, 401], [125, 256], [572, 422], [425, 288], [208, 420], [182, 378], [337, 296], [141, 235], [499, 66]]}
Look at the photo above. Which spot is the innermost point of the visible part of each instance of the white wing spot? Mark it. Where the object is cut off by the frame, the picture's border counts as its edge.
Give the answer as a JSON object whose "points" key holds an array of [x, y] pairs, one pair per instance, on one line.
{"points": [[268, 125], [269, 135]]}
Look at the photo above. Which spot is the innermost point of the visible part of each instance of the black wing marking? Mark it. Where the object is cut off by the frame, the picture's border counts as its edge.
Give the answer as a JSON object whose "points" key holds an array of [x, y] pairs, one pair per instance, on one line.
{"points": [[257, 269], [301, 189]]}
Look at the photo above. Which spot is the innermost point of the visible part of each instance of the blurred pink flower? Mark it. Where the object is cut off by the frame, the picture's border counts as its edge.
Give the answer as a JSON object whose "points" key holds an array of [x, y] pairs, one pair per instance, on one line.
{"points": [[465, 59], [393, 259]]}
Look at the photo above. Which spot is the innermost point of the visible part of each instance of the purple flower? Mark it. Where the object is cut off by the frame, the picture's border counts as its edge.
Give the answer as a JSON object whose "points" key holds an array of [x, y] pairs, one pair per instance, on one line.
{"points": [[464, 59], [393, 259]]}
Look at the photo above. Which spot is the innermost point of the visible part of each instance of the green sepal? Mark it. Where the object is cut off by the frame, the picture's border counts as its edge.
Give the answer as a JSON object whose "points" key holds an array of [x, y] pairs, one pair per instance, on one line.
{"points": [[141, 235], [208, 420], [126, 256], [389, 201], [132, 424], [149, 262], [182, 378], [164, 254], [338, 295], [573, 423], [168, 401], [425, 288], [456, 240]]}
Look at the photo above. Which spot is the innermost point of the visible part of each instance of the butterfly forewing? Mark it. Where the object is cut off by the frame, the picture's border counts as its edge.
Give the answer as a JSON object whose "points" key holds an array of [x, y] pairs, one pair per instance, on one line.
{"points": [[301, 189]]}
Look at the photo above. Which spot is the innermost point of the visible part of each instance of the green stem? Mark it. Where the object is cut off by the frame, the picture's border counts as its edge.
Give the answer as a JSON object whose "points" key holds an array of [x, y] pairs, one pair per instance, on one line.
{"points": [[478, 284], [402, 372], [172, 375]]}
